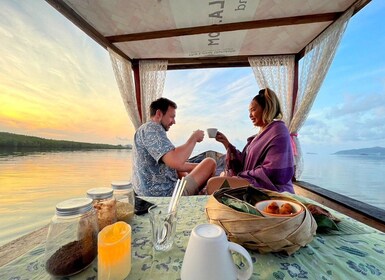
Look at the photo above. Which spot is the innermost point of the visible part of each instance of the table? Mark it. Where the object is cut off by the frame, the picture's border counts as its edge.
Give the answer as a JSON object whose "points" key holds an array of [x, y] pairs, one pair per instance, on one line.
{"points": [[357, 252]]}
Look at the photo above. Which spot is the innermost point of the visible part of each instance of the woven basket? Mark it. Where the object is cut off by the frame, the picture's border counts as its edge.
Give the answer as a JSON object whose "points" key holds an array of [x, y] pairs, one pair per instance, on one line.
{"points": [[263, 234]]}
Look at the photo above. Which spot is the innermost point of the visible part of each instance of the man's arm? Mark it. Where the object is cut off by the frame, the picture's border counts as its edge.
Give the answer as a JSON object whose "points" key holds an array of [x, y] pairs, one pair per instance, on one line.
{"points": [[177, 158]]}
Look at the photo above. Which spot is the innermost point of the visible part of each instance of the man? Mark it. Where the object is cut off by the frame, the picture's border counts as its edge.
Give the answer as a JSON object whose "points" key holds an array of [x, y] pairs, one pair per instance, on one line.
{"points": [[157, 163]]}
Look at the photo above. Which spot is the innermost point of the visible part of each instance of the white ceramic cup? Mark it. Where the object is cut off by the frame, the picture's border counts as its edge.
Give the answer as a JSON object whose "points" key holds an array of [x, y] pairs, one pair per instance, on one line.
{"points": [[212, 132], [208, 256]]}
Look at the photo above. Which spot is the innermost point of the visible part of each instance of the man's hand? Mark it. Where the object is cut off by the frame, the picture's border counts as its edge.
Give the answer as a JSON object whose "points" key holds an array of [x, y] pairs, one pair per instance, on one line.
{"points": [[177, 158], [198, 135]]}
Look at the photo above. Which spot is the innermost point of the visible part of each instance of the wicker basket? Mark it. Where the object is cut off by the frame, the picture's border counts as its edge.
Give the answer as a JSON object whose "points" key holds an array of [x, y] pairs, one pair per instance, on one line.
{"points": [[263, 234]]}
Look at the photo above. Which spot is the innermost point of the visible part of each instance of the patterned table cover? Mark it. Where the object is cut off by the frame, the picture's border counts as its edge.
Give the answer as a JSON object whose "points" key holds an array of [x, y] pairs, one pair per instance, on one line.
{"points": [[356, 252]]}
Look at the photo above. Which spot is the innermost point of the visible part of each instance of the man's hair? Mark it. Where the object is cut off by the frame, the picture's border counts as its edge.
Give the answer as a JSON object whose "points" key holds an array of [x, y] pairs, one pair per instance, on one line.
{"points": [[269, 102], [161, 104]]}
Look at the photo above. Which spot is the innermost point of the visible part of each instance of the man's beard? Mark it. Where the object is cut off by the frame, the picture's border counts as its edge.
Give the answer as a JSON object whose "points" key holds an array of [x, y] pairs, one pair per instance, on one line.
{"points": [[165, 127]]}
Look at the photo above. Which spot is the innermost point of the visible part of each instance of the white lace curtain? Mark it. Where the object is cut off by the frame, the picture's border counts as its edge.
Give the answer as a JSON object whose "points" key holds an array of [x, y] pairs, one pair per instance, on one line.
{"points": [[277, 73], [125, 79], [152, 77]]}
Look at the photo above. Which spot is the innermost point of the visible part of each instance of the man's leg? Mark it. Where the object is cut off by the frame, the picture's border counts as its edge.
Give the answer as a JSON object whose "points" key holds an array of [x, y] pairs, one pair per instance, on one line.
{"points": [[199, 176]]}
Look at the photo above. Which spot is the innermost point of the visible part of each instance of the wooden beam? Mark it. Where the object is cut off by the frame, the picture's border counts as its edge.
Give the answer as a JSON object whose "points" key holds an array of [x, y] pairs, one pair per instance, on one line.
{"points": [[209, 59], [295, 84], [226, 27], [207, 65], [135, 68], [365, 213], [69, 13], [208, 62], [358, 5]]}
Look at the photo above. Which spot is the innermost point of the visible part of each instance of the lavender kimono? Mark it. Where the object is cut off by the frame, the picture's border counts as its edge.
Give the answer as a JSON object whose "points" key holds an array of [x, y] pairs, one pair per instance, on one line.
{"points": [[267, 160]]}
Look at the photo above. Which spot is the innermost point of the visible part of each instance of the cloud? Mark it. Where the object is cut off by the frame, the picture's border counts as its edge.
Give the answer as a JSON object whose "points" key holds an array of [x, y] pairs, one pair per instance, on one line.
{"points": [[362, 104], [357, 121]]}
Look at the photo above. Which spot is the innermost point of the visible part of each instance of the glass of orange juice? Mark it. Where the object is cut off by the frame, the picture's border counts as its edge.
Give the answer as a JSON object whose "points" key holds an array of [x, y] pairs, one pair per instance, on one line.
{"points": [[114, 251]]}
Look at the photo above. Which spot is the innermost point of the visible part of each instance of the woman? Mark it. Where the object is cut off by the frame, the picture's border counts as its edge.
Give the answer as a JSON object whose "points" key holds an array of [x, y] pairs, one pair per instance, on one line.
{"points": [[267, 159]]}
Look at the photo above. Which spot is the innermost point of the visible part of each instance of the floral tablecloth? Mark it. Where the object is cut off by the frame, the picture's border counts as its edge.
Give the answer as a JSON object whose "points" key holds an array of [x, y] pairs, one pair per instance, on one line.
{"points": [[356, 252]]}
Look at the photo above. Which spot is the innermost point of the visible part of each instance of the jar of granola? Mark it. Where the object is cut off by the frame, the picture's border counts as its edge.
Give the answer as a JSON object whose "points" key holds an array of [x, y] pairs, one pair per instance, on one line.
{"points": [[71, 243], [105, 204], [125, 200]]}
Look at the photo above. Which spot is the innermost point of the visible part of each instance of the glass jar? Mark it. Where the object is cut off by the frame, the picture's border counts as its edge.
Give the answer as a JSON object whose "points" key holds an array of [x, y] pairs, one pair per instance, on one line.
{"points": [[125, 200], [105, 205], [71, 244]]}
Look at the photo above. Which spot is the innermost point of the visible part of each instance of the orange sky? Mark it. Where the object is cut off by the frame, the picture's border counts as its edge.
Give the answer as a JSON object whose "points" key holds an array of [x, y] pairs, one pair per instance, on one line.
{"points": [[55, 82]]}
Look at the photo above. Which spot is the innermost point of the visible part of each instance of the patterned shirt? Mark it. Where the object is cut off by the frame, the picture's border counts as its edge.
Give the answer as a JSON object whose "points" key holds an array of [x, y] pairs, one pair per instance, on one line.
{"points": [[151, 177]]}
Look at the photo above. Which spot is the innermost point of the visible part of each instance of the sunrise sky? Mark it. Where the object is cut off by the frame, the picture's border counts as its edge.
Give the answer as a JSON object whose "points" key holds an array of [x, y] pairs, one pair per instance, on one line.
{"points": [[56, 82]]}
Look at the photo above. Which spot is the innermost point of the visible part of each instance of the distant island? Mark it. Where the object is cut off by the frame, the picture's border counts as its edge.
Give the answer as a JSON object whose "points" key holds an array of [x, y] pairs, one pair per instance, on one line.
{"points": [[17, 141], [375, 151]]}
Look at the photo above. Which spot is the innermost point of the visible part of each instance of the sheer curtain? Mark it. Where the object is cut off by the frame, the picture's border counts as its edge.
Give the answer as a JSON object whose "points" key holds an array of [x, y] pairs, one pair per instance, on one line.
{"points": [[277, 73], [125, 79], [315, 64], [152, 77]]}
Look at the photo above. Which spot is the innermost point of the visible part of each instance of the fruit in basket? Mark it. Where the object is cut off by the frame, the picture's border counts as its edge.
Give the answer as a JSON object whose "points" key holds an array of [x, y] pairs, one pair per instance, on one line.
{"points": [[286, 208], [272, 208]]}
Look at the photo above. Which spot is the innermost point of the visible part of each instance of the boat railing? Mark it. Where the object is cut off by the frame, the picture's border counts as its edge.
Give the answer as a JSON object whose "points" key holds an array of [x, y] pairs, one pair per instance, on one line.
{"points": [[363, 212]]}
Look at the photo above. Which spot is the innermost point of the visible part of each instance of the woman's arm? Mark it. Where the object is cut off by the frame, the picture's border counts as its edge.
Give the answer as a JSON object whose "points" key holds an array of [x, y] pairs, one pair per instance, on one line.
{"points": [[233, 156]]}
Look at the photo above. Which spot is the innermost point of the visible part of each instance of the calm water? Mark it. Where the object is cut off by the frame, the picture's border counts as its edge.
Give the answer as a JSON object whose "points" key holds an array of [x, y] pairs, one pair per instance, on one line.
{"points": [[358, 177], [32, 184]]}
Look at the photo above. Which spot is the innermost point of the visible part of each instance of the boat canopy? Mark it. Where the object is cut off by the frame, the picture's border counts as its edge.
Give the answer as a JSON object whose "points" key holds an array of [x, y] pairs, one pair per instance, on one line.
{"points": [[289, 45]]}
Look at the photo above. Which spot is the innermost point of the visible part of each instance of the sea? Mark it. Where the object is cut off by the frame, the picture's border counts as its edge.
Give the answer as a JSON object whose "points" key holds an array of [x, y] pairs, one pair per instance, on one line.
{"points": [[33, 182]]}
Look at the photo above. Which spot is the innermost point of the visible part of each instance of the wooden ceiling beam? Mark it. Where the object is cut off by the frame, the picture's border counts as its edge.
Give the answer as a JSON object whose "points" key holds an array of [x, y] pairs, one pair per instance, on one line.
{"points": [[206, 62], [209, 59], [275, 22], [358, 5], [207, 65], [69, 13]]}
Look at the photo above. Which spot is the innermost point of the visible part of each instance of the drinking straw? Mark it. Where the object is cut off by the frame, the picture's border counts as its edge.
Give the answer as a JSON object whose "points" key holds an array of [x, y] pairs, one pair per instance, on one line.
{"points": [[179, 193], [173, 197]]}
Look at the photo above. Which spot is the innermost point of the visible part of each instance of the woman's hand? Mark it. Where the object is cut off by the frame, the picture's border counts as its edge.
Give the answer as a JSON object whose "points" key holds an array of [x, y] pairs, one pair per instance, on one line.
{"points": [[220, 137]]}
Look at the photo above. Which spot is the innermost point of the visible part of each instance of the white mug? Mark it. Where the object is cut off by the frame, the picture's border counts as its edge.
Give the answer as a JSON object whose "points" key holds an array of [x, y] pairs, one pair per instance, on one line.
{"points": [[208, 256], [212, 132]]}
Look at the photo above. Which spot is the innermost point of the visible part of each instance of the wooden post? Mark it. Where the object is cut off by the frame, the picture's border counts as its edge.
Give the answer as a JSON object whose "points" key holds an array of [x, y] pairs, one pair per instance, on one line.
{"points": [[135, 68], [295, 84]]}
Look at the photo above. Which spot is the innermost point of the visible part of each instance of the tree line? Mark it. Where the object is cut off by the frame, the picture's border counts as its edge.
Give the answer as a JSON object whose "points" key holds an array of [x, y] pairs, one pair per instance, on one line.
{"points": [[14, 141]]}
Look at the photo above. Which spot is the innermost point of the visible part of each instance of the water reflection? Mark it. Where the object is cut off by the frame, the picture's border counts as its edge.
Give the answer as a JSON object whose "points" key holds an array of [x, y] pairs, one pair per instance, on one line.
{"points": [[33, 182]]}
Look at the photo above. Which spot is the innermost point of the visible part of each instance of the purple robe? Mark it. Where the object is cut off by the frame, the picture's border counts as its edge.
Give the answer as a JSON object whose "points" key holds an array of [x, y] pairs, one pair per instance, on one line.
{"points": [[267, 160]]}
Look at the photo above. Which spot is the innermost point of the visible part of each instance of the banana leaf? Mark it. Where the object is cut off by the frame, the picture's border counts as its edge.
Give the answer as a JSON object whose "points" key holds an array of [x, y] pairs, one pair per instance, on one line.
{"points": [[240, 205]]}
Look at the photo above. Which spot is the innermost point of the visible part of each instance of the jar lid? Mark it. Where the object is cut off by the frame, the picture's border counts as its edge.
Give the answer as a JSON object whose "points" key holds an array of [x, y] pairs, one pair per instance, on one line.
{"points": [[121, 185], [100, 193], [74, 206]]}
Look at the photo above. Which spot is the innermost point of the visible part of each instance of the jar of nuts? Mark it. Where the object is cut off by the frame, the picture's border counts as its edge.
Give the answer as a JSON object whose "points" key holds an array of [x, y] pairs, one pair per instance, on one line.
{"points": [[125, 200], [105, 204]]}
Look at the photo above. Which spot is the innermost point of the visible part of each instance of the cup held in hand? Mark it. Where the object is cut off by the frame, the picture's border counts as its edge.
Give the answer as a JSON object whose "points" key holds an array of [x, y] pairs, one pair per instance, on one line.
{"points": [[212, 132]]}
